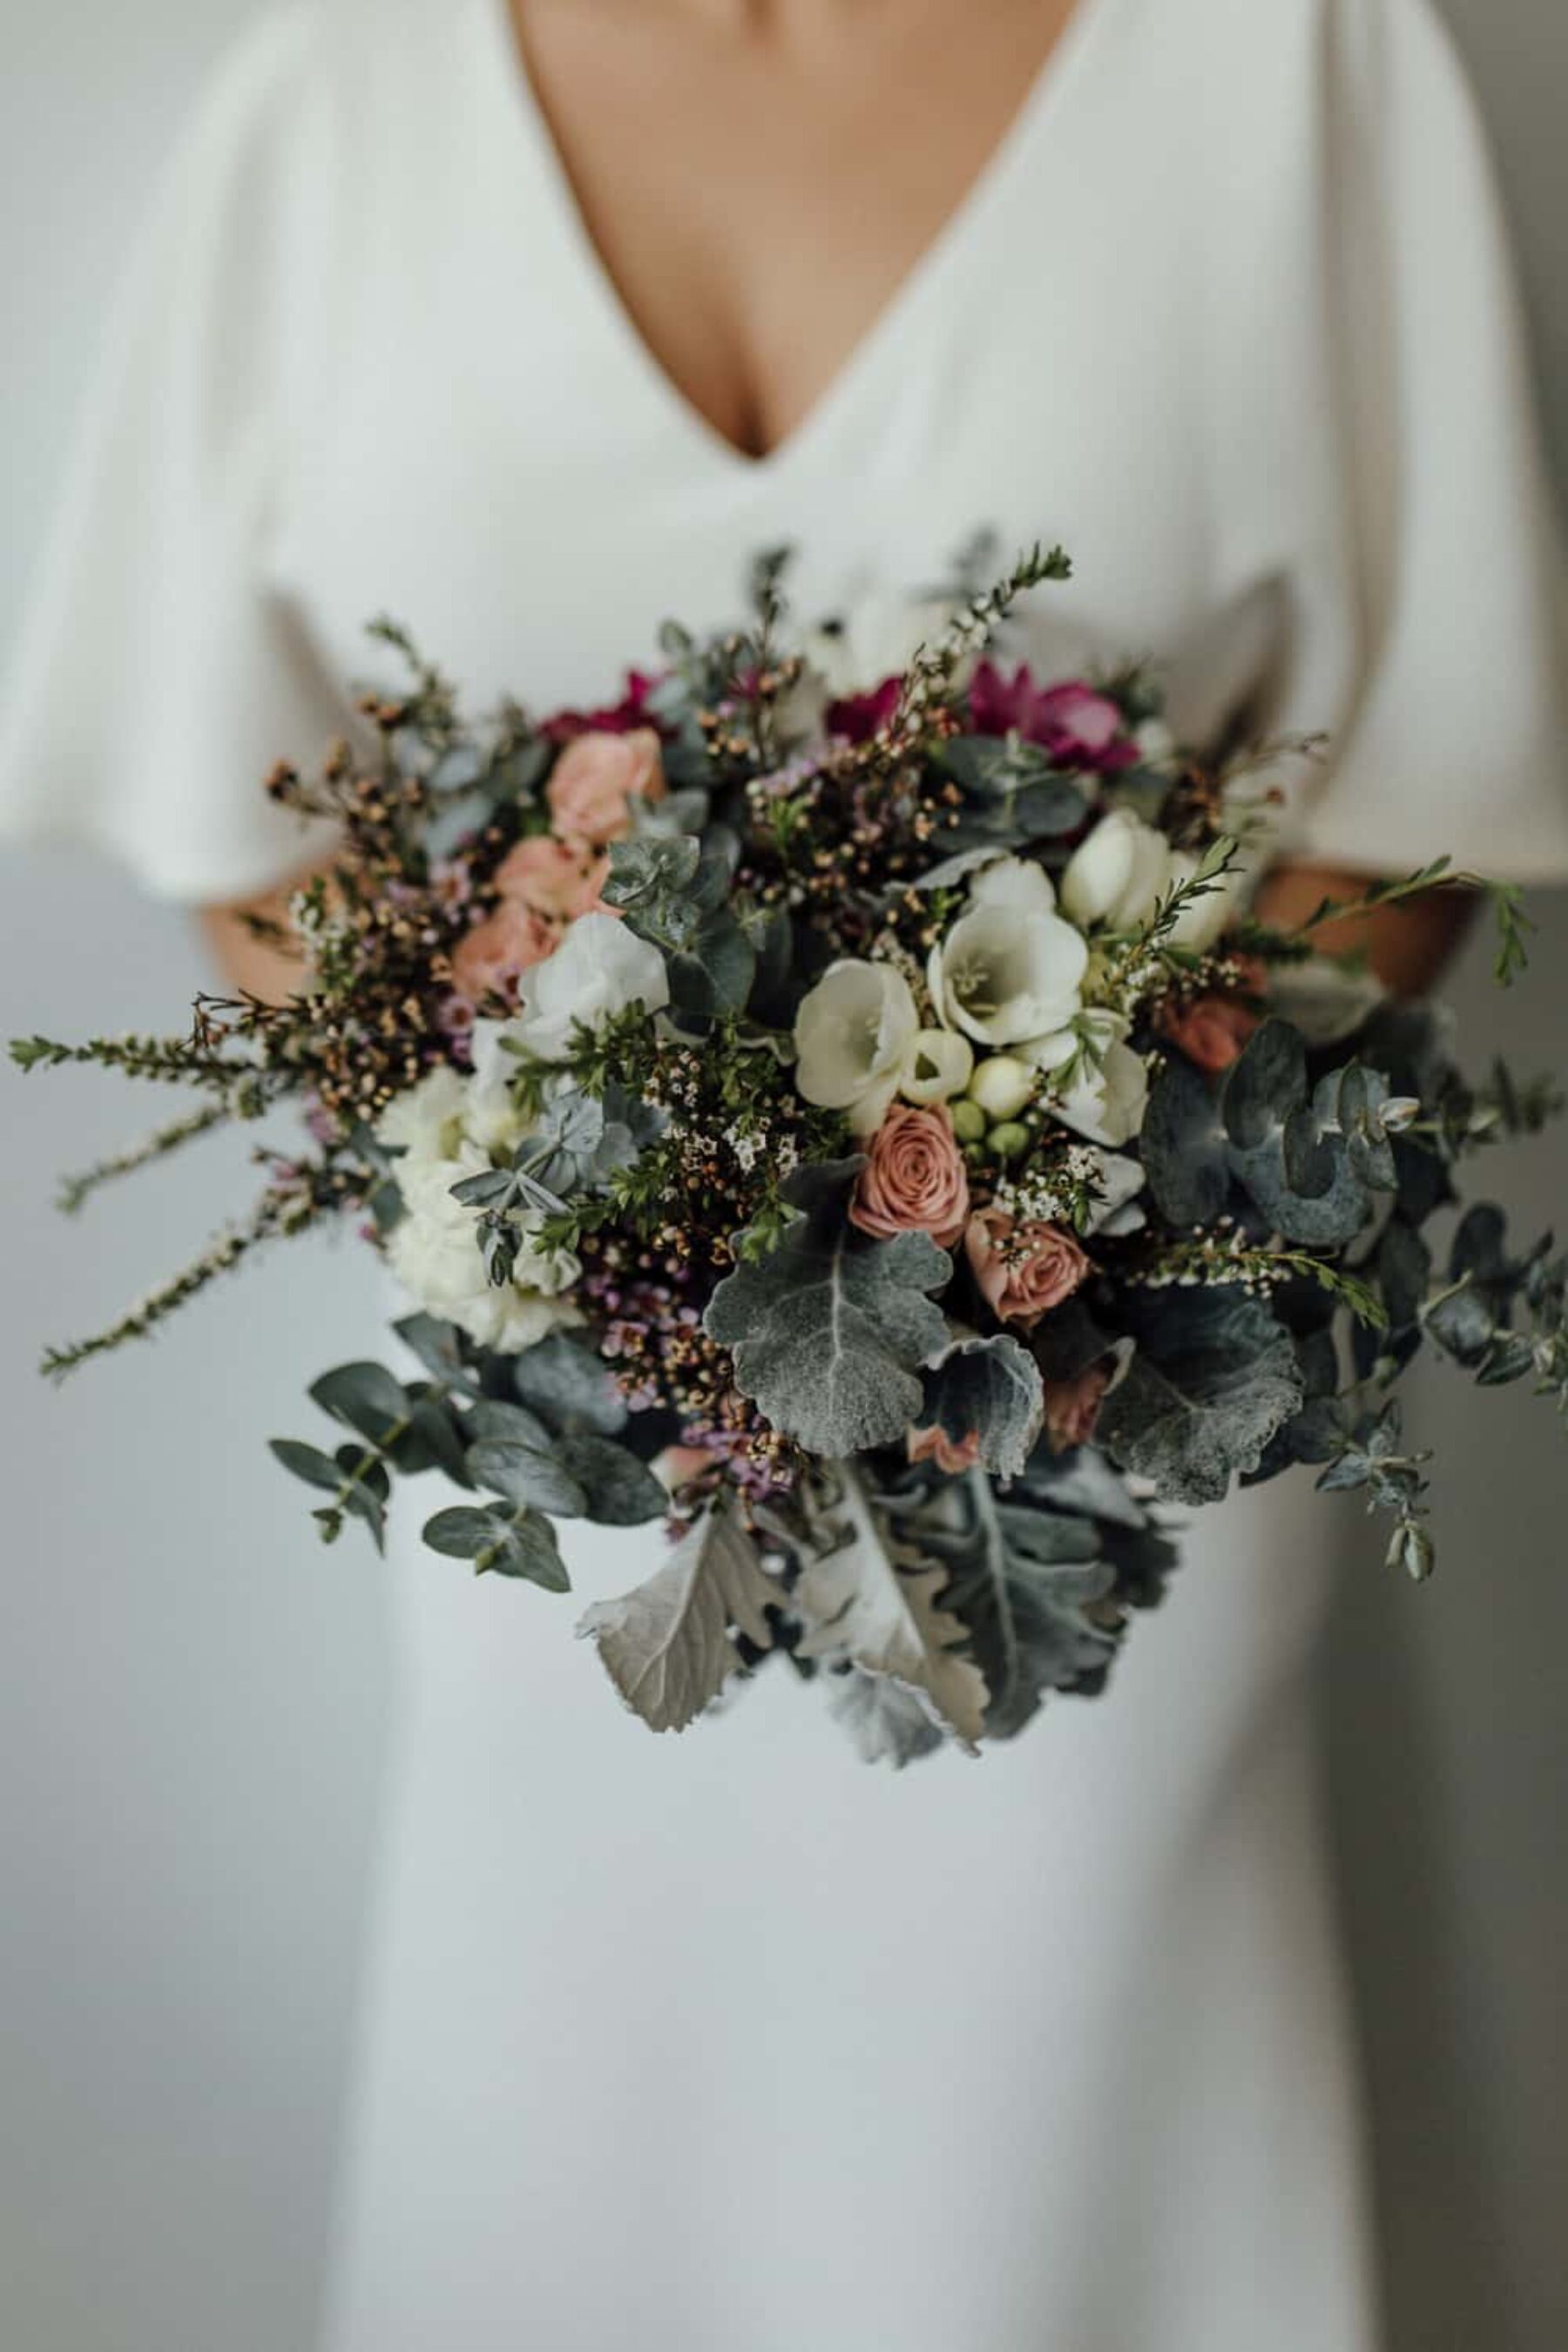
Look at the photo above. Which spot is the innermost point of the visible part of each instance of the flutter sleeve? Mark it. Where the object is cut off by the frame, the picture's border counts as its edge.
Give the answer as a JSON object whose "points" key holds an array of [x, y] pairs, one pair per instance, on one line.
{"points": [[158, 675], [1458, 738]]}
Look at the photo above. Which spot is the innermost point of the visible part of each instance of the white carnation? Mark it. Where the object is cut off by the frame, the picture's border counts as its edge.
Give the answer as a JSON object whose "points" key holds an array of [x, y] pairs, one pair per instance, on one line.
{"points": [[426, 1123], [599, 969], [434, 1250], [854, 1033], [491, 1113]]}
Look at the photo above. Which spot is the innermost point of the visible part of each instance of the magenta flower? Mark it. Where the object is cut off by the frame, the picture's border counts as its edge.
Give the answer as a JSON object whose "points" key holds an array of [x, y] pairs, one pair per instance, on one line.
{"points": [[616, 718], [1077, 725], [858, 716]]}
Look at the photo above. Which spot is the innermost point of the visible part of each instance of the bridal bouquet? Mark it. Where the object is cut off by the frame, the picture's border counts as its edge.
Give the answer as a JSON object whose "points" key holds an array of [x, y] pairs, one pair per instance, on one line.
{"points": [[856, 1122]]}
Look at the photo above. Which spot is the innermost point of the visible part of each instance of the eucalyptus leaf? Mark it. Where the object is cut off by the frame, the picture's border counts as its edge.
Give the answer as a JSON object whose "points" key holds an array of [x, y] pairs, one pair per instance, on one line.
{"points": [[526, 1476], [1213, 1376], [568, 1387], [306, 1462], [620, 1491], [364, 1397]]}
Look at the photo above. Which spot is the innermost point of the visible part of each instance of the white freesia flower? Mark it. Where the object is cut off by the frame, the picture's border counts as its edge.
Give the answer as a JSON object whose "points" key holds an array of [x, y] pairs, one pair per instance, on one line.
{"points": [[490, 1114], [434, 1249], [1202, 921], [1119, 1180], [599, 969], [427, 1123], [854, 1036], [1118, 875], [1105, 1098], [1002, 1085], [1014, 882], [1005, 973], [938, 1068]]}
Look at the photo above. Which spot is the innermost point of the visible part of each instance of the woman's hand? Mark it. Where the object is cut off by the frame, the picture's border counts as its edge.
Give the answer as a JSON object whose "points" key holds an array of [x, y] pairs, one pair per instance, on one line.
{"points": [[253, 966], [1407, 946]]}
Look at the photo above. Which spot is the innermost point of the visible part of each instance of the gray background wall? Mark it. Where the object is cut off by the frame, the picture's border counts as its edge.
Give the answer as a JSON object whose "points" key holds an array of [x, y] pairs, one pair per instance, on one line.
{"points": [[190, 1728]]}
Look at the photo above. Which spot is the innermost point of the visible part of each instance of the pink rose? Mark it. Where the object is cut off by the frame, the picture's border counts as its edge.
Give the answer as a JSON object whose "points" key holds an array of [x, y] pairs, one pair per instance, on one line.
{"points": [[487, 961], [596, 780], [1072, 1407], [1209, 1030], [552, 876], [954, 1456], [1023, 1269], [914, 1180]]}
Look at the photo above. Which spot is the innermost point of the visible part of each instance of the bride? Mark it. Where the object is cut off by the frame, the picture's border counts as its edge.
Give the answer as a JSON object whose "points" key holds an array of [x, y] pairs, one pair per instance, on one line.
{"points": [[532, 325]]}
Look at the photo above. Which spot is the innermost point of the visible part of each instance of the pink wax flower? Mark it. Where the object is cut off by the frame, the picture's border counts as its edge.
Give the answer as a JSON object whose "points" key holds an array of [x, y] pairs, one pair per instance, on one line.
{"points": [[556, 879], [1024, 1267], [488, 961], [858, 716], [1079, 726], [596, 780], [914, 1180], [952, 1455], [1072, 1407], [1209, 1030]]}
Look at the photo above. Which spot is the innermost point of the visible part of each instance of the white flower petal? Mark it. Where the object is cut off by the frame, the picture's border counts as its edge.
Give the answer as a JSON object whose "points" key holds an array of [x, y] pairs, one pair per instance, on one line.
{"points": [[938, 1066]]}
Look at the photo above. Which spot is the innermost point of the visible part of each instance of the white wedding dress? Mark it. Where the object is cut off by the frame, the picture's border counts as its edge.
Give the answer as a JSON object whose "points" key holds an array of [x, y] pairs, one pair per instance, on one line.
{"points": [[731, 2044]]}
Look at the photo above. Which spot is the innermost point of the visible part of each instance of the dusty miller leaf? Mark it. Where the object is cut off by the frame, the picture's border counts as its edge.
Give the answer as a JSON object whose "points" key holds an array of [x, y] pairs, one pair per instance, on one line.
{"points": [[666, 1646], [828, 1331], [989, 1389], [870, 1600]]}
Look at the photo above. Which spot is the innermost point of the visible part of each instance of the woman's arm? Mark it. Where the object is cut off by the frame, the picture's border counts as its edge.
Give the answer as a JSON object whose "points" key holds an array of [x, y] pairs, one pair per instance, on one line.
{"points": [[1407, 946]]}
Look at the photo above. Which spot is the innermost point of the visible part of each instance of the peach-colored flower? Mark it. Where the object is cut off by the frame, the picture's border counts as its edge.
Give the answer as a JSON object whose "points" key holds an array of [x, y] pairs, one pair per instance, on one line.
{"points": [[1072, 1407], [595, 781], [953, 1455], [556, 878], [487, 961], [1209, 1030], [914, 1180], [678, 1465], [1024, 1267]]}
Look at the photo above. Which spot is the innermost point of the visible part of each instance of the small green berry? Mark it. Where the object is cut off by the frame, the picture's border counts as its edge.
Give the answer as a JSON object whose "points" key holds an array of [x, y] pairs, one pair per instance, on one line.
{"points": [[968, 1121], [1008, 1140]]}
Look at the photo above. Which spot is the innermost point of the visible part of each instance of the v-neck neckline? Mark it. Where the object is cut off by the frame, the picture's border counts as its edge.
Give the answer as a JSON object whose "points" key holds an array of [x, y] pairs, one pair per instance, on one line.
{"points": [[1048, 91]]}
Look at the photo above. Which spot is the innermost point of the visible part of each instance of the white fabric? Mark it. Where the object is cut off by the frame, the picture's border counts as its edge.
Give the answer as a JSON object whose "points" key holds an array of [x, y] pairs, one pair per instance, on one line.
{"points": [[730, 2042]]}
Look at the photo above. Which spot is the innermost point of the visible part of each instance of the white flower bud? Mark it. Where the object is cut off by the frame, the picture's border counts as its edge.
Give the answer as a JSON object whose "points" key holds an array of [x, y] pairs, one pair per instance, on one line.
{"points": [[1117, 875], [1002, 1086]]}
